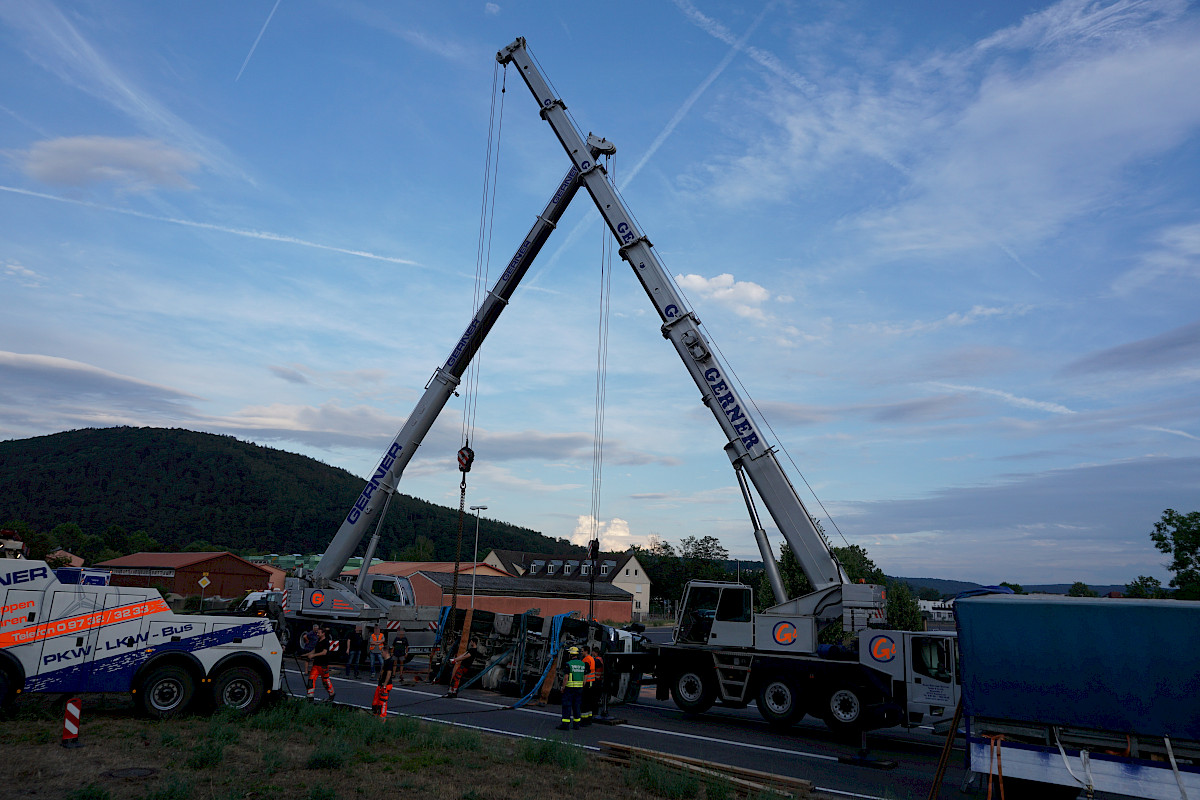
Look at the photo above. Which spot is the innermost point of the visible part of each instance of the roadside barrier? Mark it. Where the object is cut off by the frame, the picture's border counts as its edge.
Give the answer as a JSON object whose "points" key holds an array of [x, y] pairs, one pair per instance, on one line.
{"points": [[70, 736]]}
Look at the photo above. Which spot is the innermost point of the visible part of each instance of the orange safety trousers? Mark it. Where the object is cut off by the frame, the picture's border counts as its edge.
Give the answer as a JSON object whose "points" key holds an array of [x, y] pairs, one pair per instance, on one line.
{"points": [[323, 674], [380, 702]]}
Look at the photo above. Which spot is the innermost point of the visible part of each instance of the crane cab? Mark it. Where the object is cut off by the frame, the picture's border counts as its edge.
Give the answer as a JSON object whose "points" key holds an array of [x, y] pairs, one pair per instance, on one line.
{"points": [[716, 613]]}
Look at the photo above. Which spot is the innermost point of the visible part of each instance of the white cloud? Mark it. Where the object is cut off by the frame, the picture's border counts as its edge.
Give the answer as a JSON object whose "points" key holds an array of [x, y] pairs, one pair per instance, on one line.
{"points": [[133, 164], [1177, 254], [615, 536], [55, 44], [491, 9], [744, 298], [23, 275], [953, 320]]}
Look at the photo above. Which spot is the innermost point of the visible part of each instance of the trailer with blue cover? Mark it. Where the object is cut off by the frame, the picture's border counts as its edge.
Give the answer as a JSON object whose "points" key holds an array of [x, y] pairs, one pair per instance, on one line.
{"points": [[1097, 694]]}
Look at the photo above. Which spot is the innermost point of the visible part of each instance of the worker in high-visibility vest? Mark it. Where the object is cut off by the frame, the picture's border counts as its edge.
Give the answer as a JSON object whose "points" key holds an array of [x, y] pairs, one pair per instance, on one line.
{"points": [[376, 642], [573, 671]]}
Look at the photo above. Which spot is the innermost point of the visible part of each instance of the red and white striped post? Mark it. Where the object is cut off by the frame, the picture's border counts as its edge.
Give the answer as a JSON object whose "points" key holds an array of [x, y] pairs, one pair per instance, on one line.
{"points": [[70, 737]]}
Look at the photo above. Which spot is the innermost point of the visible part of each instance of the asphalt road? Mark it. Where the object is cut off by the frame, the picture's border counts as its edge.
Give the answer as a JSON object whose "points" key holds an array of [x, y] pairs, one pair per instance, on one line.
{"points": [[727, 736]]}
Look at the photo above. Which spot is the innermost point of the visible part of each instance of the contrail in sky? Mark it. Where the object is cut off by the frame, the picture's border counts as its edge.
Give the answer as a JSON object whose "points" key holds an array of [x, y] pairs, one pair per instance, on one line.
{"points": [[254, 46], [677, 118], [249, 234]]}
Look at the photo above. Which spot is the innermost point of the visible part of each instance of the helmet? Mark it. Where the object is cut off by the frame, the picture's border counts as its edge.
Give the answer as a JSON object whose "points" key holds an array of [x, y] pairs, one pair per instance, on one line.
{"points": [[574, 651]]}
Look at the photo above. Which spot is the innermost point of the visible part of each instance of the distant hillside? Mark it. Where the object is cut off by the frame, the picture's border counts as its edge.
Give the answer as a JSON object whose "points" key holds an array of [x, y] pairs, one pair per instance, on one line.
{"points": [[180, 487]]}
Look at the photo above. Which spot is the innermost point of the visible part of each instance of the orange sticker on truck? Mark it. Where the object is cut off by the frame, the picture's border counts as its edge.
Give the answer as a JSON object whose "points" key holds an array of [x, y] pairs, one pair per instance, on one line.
{"points": [[69, 625]]}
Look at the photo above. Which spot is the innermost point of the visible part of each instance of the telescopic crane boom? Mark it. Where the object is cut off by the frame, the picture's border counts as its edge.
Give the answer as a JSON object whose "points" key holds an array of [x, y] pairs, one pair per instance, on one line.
{"points": [[372, 502], [747, 448]]}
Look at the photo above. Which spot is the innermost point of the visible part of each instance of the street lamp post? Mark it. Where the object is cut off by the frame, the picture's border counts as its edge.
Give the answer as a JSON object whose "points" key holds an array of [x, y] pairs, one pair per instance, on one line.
{"points": [[475, 564]]}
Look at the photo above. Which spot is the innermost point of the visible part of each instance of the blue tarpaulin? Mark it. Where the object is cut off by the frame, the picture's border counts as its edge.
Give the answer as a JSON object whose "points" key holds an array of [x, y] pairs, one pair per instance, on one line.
{"points": [[1130, 666]]}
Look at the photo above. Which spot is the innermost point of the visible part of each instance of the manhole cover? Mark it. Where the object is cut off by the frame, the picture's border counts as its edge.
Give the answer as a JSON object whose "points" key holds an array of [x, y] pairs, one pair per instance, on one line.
{"points": [[130, 772]]}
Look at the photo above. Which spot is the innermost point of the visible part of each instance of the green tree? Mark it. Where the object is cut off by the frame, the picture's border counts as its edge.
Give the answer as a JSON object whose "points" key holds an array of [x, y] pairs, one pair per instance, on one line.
{"points": [[1080, 589], [421, 549], [928, 593], [140, 542], [664, 568], [68, 536], [703, 558], [116, 538], [903, 612], [1016, 587], [1145, 587], [1178, 535]]}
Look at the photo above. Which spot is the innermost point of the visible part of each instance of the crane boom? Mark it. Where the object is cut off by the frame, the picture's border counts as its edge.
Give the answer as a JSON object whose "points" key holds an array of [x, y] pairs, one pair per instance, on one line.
{"points": [[747, 447], [372, 500]]}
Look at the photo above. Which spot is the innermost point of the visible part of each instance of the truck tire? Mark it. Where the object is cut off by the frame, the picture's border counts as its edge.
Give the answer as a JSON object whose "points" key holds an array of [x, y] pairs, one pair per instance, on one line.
{"points": [[8, 689], [779, 701], [843, 712], [694, 691], [166, 692], [239, 689]]}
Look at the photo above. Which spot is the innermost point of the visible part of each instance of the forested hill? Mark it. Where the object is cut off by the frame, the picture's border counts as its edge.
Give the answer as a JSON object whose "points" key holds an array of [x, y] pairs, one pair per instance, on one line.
{"points": [[182, 487]]}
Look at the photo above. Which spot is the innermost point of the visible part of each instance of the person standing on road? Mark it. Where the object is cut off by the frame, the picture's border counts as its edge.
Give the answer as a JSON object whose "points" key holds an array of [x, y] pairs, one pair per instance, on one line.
{"points": [[309, 638], [589, 685], [356, 645], [400, 653], [387, 671], [599, 692], [573, 672], [377, 641], [321, 656], [463, 663]]}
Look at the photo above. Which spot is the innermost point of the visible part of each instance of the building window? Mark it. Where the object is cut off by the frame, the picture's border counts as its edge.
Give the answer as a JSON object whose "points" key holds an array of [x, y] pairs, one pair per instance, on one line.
{"points": [[626, 570], [586, 569], [604, 569], [635, 572], [637, 604]]}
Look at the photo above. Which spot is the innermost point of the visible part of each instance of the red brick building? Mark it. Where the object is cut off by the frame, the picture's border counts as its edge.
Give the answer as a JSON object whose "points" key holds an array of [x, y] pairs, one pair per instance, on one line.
{"points": [[228, 575], [508, 595]]}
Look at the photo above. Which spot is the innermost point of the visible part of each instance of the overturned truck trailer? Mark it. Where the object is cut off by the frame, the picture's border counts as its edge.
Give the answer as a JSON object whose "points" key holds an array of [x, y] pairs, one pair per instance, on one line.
{"points": [[522, 652]]}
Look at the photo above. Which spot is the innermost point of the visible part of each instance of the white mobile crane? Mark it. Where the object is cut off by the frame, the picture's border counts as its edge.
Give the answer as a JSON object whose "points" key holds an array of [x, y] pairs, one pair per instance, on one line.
{"points": [[722, 650]]}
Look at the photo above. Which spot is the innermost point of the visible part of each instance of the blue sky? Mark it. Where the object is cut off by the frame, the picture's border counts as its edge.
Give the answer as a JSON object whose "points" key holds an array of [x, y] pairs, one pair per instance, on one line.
{"points": [[952, 250]]}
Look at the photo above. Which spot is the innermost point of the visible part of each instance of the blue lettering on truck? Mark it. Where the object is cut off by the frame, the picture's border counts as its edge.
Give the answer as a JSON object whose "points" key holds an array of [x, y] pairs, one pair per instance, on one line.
{"points": [[385, 465], [733, 412], [24, 576]]}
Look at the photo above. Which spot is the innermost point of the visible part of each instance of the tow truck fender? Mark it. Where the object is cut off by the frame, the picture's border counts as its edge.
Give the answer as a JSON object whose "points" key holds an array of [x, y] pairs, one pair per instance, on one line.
{"points": [[11, 667], [179, 658], [252, 660]]}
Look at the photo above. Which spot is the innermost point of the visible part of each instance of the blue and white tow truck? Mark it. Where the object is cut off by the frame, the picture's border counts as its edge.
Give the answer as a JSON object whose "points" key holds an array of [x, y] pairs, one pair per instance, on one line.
{"points": [[80, 637]]}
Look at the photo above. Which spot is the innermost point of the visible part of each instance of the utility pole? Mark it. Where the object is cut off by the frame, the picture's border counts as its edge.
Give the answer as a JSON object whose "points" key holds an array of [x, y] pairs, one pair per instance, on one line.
{"points": [[475, 563]]}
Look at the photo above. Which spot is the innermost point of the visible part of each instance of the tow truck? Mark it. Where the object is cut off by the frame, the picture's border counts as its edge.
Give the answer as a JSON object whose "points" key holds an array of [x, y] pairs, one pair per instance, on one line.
{"points": [[87, 636]]}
